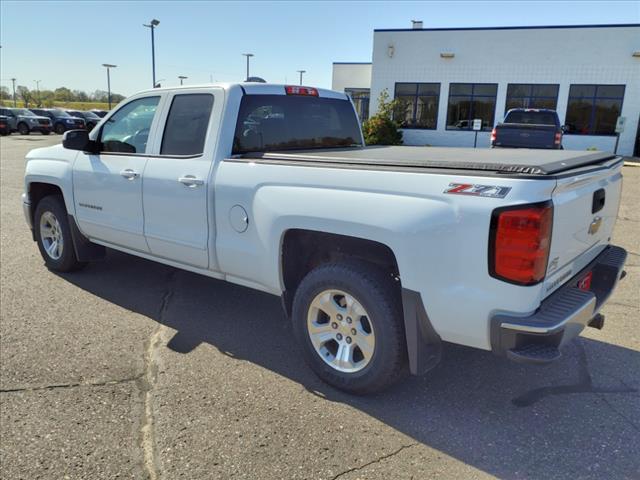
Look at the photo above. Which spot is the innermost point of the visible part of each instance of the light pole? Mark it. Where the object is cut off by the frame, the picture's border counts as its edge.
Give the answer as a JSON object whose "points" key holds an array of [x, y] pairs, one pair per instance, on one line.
{"points": [[152, 25], [108, 66], [248, 55], [38, 90], [13, 81], [301, 72], [182, 78]]}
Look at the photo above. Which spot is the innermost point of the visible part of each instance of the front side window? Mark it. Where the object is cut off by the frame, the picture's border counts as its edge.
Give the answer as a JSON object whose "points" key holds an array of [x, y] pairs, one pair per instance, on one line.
{"points": [[594, 109], [417, 105], [468, 101], [527, 95], [128, 129], [186, 127], [290, 122], [360, 98]]}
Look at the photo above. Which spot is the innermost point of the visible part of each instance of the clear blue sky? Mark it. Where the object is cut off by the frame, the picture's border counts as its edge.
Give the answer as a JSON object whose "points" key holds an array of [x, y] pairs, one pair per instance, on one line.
{"points": [[65, 43]]}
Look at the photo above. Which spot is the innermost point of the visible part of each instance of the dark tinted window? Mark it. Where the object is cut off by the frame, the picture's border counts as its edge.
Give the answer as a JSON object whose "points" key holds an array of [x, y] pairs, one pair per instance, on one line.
{"points": [[417, 105], [186, 128], [288, 122], [527, 95], [531, 118], [594, 109], [468, 101]]}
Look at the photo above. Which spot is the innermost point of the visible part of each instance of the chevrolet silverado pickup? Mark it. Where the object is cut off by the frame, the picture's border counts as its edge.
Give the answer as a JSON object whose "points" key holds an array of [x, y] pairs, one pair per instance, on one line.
{"points": [[528, 128], [379, 254]]}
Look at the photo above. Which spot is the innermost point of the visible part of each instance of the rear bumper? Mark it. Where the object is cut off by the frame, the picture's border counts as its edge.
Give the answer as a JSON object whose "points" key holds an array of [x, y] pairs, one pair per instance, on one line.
{"points": [[562, 316]]}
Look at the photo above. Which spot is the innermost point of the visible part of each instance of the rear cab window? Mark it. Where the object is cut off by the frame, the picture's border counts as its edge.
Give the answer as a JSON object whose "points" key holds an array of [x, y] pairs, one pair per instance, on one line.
{"points": [[289, 122], [531, 118]]}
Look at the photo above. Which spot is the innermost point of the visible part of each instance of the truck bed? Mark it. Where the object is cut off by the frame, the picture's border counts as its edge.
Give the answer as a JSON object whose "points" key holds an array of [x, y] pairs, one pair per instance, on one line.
{"points": [[531, 162]]}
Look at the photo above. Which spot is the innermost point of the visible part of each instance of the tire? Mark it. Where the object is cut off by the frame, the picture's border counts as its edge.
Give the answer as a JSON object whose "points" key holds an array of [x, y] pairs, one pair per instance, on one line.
{"points": [[23, 129], [59, 128], [46, 132], [365, 288], [51, 216]]}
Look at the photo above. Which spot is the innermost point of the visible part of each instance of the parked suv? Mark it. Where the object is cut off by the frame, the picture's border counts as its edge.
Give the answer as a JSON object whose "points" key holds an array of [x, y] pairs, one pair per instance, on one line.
{"points": [[90, 118], [25, 121], [4, 126], [60, 119]]}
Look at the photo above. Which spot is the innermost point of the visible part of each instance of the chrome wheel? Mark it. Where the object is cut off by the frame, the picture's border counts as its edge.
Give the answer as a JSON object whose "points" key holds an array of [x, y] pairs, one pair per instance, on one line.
{"points": [[340, 331], [51, 235]]}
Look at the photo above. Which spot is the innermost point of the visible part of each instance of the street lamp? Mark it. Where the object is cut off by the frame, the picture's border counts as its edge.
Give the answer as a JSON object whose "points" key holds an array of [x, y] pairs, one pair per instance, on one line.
{"points": [[109, 66], [152, 25], [182, 77], [13, 81], [248, 55], [38, 90], [301, 72]]}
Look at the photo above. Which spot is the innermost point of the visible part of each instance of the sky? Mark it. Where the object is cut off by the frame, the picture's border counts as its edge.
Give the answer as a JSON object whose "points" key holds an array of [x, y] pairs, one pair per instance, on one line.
{"points": [[64, 43]]}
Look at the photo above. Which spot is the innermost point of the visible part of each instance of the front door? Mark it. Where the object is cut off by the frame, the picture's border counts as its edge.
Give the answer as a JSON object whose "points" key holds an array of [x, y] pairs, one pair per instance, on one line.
{"points": [[107, 186], [177, 196]]}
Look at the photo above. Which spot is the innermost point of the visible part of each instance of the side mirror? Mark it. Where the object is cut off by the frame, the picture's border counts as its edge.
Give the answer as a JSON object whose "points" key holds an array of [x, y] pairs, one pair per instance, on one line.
{"points": [[78, 140]]}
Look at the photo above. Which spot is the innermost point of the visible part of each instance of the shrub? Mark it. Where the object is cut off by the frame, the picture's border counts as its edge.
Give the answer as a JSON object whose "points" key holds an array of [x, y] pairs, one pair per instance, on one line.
{"points": [[381, 129]]}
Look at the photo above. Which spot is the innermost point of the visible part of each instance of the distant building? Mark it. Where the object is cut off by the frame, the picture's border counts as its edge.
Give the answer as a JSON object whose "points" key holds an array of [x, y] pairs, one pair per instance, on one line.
{"points": [[446, 77]]}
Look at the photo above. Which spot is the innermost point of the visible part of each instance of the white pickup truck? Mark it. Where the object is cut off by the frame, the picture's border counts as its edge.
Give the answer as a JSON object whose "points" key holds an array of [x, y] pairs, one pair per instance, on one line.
{"points": [[379, 254]]}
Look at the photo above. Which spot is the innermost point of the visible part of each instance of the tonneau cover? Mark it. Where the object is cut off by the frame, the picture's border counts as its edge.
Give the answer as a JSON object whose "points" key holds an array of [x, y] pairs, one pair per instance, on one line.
{"points": [[518, 161]]}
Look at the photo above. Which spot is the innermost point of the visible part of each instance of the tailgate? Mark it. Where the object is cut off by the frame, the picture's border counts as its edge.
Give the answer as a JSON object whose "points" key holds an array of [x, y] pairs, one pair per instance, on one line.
{"points": [[585, 211], [532, 136]]}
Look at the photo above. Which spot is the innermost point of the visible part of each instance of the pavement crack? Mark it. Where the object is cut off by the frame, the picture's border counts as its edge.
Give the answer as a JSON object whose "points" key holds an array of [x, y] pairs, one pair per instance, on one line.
{"points": [[71, 385], [377, 460]]}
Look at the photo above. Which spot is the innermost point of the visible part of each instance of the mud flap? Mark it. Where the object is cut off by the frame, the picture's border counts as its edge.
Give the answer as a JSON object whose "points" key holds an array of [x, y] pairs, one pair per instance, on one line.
{"points": [[424, 346], [86, 251]]}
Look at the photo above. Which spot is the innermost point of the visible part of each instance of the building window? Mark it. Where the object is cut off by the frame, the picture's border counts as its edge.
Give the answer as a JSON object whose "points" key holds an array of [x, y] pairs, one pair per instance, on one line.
{"points": [[594, 109], [527, 95], [417, 105], [468, 101], [360, 98]]}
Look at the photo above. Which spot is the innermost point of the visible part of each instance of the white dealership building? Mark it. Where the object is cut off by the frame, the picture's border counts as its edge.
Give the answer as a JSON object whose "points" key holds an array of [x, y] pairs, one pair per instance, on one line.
{"points": [[447, 77]]}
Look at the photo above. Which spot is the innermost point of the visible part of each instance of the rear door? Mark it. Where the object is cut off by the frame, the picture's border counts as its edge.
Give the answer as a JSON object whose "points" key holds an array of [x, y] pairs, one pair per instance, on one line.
{"points": [[107, 186], [177, 193]]}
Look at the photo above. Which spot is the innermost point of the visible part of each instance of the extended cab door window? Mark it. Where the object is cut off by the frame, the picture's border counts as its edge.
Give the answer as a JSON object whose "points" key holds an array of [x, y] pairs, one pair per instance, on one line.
{"points": [[127, 130], [186, 127]]}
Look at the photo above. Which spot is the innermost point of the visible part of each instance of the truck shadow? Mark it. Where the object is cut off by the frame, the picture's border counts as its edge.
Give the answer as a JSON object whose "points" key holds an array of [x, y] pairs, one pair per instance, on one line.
{"points": [[577, 418]]}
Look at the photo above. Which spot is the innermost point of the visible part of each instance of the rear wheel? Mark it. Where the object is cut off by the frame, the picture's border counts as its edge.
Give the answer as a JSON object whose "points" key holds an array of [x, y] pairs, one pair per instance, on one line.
{"points": [[348, 319], [53, 235], [59, 128], [23, 129]]}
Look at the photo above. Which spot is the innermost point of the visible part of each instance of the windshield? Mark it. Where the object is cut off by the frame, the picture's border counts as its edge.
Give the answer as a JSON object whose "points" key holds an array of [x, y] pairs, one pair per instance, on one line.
{"points": [[531, 118], [24, 112], [59, 113], [288, 122], [90, 115]]}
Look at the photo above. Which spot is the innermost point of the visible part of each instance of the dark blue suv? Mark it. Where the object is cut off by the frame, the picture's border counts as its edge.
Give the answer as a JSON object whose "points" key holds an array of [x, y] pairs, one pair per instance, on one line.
{"points": [[60, 119]]}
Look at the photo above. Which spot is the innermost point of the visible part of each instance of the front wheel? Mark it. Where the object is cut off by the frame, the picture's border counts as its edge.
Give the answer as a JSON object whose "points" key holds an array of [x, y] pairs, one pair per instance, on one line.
{"points": [[23, 129], [348, 319], [59, 129], [53, 235]]}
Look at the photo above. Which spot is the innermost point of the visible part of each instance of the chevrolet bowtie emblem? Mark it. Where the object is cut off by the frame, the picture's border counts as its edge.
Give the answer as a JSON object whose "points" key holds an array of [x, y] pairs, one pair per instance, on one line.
{"points": [[595, 225]]}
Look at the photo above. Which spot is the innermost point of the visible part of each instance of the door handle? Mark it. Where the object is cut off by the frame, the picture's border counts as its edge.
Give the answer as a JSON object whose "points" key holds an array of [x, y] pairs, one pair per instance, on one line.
{"points": [[129, 174], [190, 181]]}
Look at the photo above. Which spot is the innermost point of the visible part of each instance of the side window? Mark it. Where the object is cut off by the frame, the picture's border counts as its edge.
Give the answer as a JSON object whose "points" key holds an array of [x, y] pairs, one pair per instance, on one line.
{"points": [[187, 124], [128, 129]]}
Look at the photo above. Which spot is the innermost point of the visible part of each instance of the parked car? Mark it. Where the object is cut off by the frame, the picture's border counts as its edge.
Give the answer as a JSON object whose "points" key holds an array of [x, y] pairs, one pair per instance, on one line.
{"points": [[379, 254], [4, 126], [100, 113], [60, 119], [24, 121], [528, 128], [90, 118]]}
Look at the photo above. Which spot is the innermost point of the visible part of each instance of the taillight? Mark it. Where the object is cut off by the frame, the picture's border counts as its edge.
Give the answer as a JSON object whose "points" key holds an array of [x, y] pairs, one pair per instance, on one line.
{"points": [[519, 243], [493, 135], [558, 138], [296, 90]]}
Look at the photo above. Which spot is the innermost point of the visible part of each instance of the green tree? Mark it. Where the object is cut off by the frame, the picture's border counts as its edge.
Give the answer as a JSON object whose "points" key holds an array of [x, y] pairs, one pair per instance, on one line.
{"points": [[63, 94], [25, 94], [381, 129], [4, 93]]}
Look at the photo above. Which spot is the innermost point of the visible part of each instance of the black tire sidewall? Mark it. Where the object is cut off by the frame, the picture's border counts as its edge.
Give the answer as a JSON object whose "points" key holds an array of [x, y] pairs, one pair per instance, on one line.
{"points": [[26, 129], [67, 261], [59, 128], [377, 295]]}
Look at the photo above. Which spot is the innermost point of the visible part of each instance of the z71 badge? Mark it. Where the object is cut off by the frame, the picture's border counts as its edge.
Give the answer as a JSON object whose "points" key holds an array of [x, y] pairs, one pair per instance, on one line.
{"points": [[491, 191]]}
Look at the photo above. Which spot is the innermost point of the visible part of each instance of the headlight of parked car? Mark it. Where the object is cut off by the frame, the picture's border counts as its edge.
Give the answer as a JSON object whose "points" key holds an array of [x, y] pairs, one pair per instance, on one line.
{"points": [[69, 120]]}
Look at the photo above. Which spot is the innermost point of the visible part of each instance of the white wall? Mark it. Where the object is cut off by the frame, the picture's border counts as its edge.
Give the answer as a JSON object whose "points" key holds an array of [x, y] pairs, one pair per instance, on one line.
{"points": [[561, 56], [351, 75]]}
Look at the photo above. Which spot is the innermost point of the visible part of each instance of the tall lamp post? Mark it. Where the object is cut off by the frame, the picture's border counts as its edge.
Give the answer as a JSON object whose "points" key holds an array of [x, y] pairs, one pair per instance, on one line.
{"points": [[301, 72], [109, 66], [182, 78], [13, 81], [248, 55], [152, 25], [37, 82]]}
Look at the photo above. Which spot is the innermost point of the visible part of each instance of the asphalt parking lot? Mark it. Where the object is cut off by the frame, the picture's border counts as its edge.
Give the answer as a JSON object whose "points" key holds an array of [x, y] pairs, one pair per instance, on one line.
{"points": [[130, 369]]}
